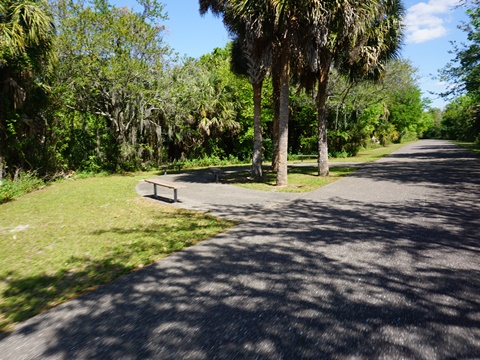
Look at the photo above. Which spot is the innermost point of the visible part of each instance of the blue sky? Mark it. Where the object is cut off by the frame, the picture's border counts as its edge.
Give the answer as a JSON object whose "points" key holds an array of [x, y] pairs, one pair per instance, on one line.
{"points": [[430, 26]]}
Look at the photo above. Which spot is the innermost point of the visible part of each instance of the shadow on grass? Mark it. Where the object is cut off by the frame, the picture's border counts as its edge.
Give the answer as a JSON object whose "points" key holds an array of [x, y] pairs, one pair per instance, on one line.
{"points": [[25, 297], [469, 145]]}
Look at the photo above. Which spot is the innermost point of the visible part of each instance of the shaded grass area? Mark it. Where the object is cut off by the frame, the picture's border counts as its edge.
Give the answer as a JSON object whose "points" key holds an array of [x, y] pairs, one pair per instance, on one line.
{"points": [[468, 145], [69, 238], [300, 179]]}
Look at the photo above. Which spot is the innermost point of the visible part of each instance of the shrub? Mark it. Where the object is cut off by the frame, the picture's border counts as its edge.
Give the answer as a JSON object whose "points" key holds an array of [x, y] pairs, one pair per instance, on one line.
{"points": [[25, 183]]}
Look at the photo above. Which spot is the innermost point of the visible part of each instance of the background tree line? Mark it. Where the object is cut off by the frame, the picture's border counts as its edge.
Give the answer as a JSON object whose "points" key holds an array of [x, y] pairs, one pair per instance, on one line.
{"points": [[87, 86], [461, 118]]}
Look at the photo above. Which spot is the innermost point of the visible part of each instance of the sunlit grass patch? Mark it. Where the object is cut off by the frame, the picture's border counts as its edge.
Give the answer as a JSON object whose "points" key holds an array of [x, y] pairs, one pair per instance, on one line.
{"points": [[74, 235]]}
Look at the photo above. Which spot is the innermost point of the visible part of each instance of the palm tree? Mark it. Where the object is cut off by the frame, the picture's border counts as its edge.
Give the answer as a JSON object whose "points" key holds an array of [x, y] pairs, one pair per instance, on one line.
{"points": [[361, 38], [252, 58], [251, 44], [284, 24], [27, 34]]}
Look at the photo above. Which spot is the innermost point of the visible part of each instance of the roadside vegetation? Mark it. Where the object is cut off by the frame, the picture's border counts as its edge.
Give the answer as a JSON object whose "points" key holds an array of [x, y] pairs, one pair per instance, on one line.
{"points": [[473, 146], [136, 105]]}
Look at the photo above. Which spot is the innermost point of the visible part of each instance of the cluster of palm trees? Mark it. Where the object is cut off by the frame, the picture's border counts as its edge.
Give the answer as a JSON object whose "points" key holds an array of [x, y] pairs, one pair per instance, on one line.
{"points": [[302, 40]]}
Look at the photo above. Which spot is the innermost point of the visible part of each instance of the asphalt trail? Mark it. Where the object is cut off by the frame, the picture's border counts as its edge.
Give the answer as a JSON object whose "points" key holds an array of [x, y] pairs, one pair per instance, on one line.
{"points": [[383, 264]]}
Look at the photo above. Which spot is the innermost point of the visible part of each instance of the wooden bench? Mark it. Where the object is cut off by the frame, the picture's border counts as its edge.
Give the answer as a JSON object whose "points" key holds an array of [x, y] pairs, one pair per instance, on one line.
{"points": [[217, 172], [177, 165], [166, 184], [301, 157]]}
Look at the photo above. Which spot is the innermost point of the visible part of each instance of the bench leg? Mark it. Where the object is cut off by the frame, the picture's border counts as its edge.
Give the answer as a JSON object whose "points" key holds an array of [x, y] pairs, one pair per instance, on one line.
{"points": [[155, 190], [175, 195]]}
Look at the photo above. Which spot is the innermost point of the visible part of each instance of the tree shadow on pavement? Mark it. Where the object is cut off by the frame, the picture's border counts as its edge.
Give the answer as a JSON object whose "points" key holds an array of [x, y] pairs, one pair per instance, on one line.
{"points": [[319, 277], [453, 171], [333, 279]]}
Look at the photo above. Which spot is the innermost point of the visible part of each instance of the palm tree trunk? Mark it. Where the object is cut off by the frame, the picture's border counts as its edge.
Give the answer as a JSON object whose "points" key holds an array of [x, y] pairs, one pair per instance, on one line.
{"points": [[282, 172], [276, 111], [257, 129], [323, 169]]}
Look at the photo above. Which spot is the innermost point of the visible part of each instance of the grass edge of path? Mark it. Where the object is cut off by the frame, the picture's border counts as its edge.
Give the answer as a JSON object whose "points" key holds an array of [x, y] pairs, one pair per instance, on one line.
{"points": [[75, 235]]}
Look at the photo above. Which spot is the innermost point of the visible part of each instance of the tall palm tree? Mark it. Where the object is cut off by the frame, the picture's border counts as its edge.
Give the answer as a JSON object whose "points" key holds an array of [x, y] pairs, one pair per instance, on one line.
{"points": [[283, 21], [361, 38], [251, 44], [252, 58]]}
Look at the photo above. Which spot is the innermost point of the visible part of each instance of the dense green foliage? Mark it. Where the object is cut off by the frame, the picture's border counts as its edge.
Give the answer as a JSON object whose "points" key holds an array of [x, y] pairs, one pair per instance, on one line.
{"points": [[26, 56], [461, 119], [119, 99], [21, 185]]}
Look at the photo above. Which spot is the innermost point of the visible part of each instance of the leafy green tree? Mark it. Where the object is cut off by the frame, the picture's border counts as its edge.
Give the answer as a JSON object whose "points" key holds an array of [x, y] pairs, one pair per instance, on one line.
{"points": [[463, 74], [361, 111], [406, 111], [111, 60], [460, 119]]}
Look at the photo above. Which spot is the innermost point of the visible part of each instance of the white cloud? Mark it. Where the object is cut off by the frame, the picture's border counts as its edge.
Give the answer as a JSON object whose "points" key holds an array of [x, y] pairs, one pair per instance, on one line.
{"points": [[426, 21]]}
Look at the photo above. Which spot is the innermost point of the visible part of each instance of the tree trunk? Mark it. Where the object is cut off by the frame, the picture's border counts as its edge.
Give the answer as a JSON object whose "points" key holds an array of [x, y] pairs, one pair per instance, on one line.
{"points": [[2, 161], [276, 112], [323, 169], [282, 172], [257, 129]]}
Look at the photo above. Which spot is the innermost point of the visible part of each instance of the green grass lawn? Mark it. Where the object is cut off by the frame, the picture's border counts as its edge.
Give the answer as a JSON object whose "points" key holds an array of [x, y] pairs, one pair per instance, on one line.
{"points": [[74, 235]]}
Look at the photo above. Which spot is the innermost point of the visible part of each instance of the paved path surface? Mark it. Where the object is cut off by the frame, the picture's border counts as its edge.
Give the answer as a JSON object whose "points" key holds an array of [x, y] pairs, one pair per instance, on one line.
{"points": [[203, 194], [383, 264], [220, 199]]}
